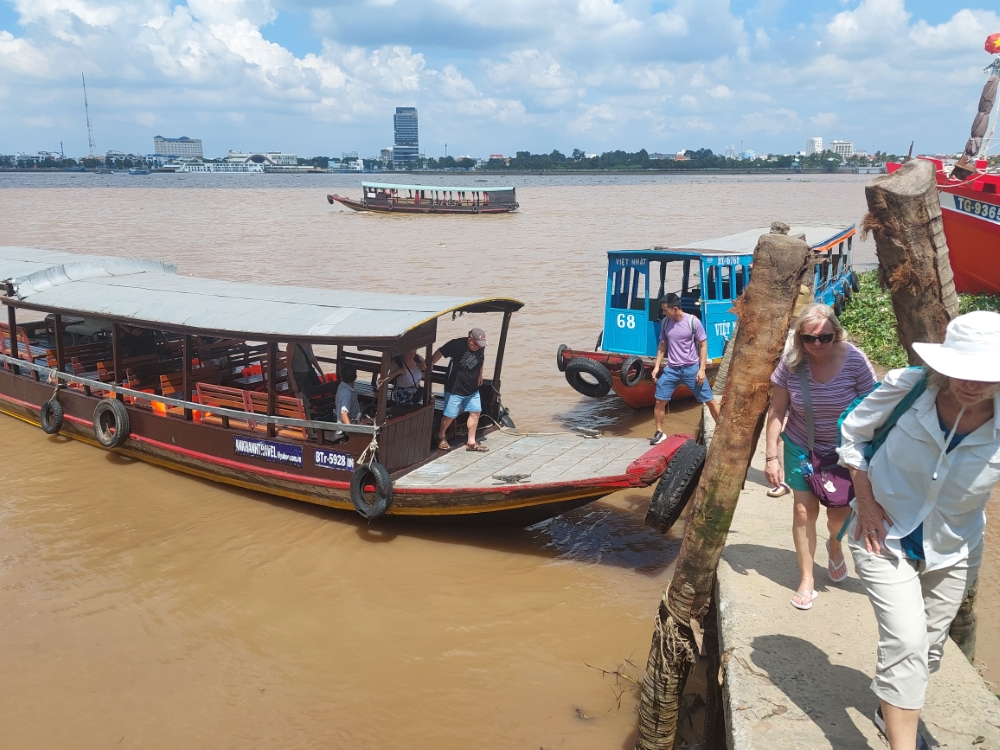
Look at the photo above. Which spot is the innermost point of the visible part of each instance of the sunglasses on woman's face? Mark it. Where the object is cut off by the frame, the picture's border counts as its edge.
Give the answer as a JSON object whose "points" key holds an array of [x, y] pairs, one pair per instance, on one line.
{"points": [[823, 338]]}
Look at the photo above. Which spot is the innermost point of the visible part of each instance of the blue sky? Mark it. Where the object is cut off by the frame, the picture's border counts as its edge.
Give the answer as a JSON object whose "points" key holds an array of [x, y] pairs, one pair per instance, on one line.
{"points": [[492, 76]]}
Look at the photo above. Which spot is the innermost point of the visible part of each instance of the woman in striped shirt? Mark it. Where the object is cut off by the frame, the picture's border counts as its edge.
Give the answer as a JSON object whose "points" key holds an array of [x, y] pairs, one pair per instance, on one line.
{"points": [[837, 373]]}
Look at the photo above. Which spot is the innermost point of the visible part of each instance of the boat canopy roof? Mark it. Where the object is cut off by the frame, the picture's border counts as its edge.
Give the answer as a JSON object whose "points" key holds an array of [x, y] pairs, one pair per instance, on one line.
{"points": [[818, 236], [467, 189], [152, 294]]}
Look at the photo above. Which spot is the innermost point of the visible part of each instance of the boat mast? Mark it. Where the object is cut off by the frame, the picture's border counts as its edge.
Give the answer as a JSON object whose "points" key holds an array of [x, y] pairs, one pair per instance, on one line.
{"points": [[90, 130], [977, 143]]}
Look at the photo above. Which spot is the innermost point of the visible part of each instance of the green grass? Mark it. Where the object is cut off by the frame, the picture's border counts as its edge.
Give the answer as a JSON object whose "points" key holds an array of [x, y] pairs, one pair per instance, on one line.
{"points": [[871, 323]]}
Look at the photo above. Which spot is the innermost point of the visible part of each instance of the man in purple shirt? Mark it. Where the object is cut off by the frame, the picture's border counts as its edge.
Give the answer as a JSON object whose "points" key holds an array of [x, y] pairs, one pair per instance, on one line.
{"points": [[683, 341]]}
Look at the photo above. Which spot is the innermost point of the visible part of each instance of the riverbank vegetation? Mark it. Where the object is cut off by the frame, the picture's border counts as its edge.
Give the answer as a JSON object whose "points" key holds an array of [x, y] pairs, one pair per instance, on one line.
{"points": [[871, 323]]}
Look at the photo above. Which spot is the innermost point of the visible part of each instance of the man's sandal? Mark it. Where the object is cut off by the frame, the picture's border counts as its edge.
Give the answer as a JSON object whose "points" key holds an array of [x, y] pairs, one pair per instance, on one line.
{"points": [[478, 447], [444, 446]]}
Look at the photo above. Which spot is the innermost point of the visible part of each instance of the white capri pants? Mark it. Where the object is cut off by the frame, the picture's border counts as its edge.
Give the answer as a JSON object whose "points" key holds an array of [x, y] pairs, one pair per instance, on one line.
{"points": [[914, 610]]}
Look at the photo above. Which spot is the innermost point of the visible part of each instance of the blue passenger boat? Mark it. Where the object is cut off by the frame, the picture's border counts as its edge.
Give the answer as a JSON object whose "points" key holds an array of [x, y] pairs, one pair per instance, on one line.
{"points": [[708, 276]]}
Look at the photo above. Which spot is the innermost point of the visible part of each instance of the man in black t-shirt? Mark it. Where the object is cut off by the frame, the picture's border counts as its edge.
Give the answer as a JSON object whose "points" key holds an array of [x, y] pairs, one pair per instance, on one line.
{"points": [[461, 389]]}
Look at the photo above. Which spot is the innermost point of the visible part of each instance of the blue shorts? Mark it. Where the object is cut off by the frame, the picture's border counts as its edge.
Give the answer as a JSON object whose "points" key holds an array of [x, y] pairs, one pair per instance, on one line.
{"points": [[674, 376], [455, 404]]}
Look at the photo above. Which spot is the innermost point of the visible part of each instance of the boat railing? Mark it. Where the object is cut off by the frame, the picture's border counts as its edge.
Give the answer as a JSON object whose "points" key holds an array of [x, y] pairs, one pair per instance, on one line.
{"points": [[52, 375]]}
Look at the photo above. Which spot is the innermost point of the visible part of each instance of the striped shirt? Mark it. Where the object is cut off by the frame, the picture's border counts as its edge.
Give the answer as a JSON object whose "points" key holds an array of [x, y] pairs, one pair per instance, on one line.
{"points": [[856, 378]]}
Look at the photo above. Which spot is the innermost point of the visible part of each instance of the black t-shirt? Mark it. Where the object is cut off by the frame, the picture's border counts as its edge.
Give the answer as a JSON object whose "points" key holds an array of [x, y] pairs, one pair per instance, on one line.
{"points": [[463, 370]]}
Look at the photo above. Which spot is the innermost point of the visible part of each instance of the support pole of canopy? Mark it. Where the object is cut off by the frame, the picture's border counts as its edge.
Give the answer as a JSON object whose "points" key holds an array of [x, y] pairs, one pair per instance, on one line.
{"points": [[501, 345], [186, 376], [383, 373], [12, 327], [116, 354], [272, 386], [57, 327], [428, 375]]}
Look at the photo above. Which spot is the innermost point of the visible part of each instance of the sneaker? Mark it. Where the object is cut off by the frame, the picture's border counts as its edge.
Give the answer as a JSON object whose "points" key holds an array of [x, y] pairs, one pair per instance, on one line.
{"points": [[880, 725], [658, 438]]}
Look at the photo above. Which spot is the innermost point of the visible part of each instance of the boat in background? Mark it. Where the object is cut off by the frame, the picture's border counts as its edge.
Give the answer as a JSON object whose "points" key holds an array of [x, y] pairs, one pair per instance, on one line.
{"points": [[970, 197], [430, 199]]}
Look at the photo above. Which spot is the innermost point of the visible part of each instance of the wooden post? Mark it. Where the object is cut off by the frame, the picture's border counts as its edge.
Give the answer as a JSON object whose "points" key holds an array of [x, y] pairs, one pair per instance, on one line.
{"points": [[272, 385], [60, 349], [186, 374], [905, 217], [780, 265], [116, 355]]}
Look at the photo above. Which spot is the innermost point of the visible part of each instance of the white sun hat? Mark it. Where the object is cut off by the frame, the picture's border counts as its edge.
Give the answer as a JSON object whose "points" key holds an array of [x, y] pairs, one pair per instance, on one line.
{"points": [[971, 348]]}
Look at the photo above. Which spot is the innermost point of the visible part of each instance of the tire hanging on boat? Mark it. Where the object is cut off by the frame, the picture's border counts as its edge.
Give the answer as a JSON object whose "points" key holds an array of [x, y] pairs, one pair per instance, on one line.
{"points": [[838, 305], [855, 281], [580, 366], [560, 361], [51, 416], [676, 486], [848, 292], [111, 424], [383, 490], [632, 371]]}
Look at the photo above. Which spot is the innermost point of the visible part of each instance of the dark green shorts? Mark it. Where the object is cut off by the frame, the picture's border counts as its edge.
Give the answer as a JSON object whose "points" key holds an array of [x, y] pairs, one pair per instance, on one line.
{"points": [[793, 474]]}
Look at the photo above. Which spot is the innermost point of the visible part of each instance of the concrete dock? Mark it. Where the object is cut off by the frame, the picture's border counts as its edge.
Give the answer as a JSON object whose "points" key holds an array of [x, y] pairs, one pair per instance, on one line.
{"points": [[795, 679]]}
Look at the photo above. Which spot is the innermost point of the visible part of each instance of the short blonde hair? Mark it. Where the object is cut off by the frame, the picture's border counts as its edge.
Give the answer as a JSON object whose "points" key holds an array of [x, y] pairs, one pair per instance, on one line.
{"points": [[813, 313]]}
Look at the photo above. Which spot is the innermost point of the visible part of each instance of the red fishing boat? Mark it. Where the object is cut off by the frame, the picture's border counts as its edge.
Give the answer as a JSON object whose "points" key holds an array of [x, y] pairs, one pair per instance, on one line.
{"points": [[970, 197], [430, 199]]}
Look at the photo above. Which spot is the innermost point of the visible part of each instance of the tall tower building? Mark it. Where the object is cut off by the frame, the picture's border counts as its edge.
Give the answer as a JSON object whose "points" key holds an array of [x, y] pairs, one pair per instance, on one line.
{"points": [[814, 146], [407, 143]]}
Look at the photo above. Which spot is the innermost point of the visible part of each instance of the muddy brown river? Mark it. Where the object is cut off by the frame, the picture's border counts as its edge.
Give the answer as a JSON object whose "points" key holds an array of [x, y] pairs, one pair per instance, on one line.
{"points": [[145, 609]]}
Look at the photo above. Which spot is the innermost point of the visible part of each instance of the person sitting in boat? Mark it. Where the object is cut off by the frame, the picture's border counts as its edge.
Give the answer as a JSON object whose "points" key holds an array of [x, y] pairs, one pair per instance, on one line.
{"points": [[405, 375], [684, 343], [305, 370], [348, 408], [461, 390]]}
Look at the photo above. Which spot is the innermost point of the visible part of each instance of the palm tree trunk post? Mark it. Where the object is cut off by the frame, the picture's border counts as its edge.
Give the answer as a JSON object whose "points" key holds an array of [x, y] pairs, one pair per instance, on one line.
{"points": [[781, 263]]}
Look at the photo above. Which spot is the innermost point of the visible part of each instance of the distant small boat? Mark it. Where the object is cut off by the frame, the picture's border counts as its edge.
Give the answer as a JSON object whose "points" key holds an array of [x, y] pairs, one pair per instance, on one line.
{"points": [[431, 199], [138, 171]]}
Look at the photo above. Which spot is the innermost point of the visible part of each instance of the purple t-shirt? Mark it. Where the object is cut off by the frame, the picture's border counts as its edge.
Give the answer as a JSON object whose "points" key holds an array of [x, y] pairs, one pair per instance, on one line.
{"points": [[681, 349], [856, 378]]}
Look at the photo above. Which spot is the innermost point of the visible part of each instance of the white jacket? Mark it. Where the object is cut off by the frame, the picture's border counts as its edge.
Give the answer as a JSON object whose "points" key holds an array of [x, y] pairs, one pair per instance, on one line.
{"points": [[952, 507]]}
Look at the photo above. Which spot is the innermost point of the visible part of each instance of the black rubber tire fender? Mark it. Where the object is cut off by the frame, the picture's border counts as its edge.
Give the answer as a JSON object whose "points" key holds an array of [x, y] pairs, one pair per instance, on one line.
{"points": [[51, 417], [633, 370], [676, 486], [838, 305], [580, 366], [383, 489], [848, 292], [855, 281], [111, 423], [506, 421], [560, 360]]}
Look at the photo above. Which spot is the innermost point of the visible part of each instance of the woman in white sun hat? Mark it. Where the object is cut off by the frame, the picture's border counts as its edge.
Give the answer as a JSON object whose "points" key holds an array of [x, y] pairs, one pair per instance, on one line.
{"points": [[917, 536]]}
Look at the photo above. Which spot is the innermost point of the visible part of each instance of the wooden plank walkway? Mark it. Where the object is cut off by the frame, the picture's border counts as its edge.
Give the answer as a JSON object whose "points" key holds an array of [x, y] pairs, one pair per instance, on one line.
{"points": [[544, 458]]}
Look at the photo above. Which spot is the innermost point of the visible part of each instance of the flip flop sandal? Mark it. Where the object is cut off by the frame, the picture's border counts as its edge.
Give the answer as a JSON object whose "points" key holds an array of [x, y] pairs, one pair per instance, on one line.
{"points": [[477, 447], [809, 604], [444, 446], [830, 567], [780, 491]]}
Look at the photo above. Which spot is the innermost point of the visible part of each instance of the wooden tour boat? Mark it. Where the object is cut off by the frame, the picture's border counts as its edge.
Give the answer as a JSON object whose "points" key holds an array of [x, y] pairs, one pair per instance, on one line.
{"points": [[430, 199], [710, 275], [189, 374]]}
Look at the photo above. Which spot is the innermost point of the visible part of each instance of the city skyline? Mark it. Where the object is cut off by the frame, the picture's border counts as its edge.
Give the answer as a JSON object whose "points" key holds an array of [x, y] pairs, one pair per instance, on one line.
{"points": [[317, 79]]}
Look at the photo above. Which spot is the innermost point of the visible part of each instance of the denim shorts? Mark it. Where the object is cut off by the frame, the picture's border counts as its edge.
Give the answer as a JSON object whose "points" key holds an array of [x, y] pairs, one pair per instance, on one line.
{"points": [[455, 404], [674, 376]]}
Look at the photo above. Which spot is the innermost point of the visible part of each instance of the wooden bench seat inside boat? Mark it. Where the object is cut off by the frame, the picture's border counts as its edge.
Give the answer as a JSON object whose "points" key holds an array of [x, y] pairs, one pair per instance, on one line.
{"points": [[25, 349], [223, 397], [84, 356], [284, 406]]}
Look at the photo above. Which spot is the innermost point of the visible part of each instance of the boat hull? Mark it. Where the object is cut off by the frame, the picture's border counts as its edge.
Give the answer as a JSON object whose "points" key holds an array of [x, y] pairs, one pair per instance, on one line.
{"points": [[399, 208], [207, 452], [642, 394], [972, 228]]}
